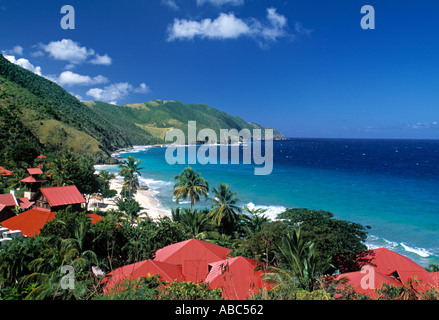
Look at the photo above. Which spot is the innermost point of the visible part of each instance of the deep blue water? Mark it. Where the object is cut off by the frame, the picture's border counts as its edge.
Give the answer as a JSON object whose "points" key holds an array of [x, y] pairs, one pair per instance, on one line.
{"points": [[390, 185]]}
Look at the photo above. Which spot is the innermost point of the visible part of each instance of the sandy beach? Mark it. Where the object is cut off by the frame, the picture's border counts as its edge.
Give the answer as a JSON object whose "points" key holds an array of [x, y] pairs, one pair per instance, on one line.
{"points": [[146, 198]]}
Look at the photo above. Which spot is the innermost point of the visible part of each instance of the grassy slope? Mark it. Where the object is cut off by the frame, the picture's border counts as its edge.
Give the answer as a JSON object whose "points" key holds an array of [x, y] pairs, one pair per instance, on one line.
{"points": [[157, 117]]}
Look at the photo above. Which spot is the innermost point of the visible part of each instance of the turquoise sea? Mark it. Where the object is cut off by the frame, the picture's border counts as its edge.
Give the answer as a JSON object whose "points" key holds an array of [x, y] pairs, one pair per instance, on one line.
{"points": [[390, 185]]}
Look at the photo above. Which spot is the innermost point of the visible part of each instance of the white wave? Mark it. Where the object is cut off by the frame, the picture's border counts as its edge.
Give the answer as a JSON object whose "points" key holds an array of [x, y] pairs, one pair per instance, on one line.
{"points": [[154, 185], [391, 243], [419, 251], [130, 150], [272, 211]]}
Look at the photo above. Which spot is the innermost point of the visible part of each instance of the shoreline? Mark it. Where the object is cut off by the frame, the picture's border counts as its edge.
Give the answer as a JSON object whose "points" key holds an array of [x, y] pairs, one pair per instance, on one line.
{"points": [[149, 204]]}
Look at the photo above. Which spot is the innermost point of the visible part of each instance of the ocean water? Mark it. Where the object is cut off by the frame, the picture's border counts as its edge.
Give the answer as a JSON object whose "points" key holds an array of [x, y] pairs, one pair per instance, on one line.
{"points": [[390, 185]]}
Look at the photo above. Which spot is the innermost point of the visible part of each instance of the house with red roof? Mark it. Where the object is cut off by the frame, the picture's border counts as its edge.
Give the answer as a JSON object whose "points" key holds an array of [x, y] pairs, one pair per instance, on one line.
{"points": [[30, 222], [7, 204], [192, 261], [388, 267], [238, 277], [33, 182], [5, 172], [59, 198]]}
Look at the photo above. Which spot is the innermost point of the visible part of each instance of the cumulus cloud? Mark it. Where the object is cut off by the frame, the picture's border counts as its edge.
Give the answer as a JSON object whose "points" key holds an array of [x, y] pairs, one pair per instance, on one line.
{"points": [[114, 92], [73, 79], [24, 63], [74, 53], [228, 26], [103, 60]]}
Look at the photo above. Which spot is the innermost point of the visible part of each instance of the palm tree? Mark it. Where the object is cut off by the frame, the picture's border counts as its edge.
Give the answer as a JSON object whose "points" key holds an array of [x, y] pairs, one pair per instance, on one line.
{"points": [[130, 170], [190, 185], [58, 173], [300, 256], [255, 221], [196, 221], [224, 208], [66, 252], [131, 208], [106, 178]]}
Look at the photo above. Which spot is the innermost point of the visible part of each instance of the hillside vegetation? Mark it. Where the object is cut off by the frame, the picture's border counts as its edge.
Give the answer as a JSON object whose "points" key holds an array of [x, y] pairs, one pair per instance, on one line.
{"points": [[156, 117]]}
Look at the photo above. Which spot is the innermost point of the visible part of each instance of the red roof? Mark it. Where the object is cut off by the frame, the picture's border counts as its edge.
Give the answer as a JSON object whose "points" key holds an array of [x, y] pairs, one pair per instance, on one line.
{"points": [[237, 278], [24, 203], [32, 179], [30, 222], [62, 196], [368, 286], [5, 172], [33, 171], [168, 272], [191, 250], [393, 268], [190, 262], [8, 200]]}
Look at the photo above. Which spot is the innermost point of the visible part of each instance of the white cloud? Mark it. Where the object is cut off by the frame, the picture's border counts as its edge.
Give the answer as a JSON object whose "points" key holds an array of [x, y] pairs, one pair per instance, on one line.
{"points": [[73, 79], [228, 26], [143, 88], [172, 4], [68, 50], [275, 27], [104, 60], [114, 92], [219, 3], [17, 50], [74, 53], [24, 63]]}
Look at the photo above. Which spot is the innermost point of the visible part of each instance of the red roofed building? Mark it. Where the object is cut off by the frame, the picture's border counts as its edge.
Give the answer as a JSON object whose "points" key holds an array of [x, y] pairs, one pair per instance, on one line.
{"points": [[192, 249], [168, 272], [34, 171], [5, 172], [237, 277], [194, 260], [389, 267], [8, 200], [59, 198], [30, 222], [33, 182]]}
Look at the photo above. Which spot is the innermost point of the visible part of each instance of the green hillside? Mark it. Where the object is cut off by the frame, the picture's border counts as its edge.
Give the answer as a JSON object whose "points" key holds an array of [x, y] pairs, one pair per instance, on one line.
{"points": [[41, 115], [156, 117]]}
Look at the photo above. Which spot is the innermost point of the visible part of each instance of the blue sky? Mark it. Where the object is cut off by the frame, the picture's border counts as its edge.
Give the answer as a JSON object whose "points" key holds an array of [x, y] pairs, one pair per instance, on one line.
{"points": [[306, 68]]}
